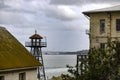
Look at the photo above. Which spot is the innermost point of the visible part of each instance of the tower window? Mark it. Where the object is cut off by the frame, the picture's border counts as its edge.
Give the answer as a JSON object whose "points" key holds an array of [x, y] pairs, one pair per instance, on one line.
{"points": [[102, 25], [117, 24], [22, 76], [2, 78]]}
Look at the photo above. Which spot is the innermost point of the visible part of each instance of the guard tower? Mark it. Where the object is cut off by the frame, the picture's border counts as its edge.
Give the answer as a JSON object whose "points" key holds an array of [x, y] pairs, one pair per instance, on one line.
{"points": [[36, 44]]}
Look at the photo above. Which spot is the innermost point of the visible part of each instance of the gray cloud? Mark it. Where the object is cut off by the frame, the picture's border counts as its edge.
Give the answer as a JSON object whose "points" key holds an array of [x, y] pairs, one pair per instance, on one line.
{"points": [[16, 6], [66, 2], [2, 4], [34, 12], [29, 11], [11, 18], [17, 12], [82, 2], [61, 13]]}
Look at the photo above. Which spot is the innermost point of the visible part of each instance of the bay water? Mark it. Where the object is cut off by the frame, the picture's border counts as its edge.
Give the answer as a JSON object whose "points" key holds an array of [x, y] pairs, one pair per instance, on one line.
{"points": [[55, 65]]}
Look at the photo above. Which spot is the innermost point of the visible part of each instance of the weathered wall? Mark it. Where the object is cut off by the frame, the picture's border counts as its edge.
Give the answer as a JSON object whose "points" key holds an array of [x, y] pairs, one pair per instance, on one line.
{"points": [[30, 75], [96, 37]]}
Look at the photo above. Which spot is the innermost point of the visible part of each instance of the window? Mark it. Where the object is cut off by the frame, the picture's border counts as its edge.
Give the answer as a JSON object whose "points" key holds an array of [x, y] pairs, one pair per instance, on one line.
{"points": [[2, 78], [117, 24], [118, 45], [102, 45], [22, 76], [102, 25]]}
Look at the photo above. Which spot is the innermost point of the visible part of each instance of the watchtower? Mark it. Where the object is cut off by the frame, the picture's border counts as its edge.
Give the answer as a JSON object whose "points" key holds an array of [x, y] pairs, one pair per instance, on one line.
{"points": [[36, 44]]}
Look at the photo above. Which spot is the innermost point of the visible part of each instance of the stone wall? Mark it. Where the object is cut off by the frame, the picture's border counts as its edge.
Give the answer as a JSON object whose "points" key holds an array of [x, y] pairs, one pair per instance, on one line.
{"points": [[96, 37]]}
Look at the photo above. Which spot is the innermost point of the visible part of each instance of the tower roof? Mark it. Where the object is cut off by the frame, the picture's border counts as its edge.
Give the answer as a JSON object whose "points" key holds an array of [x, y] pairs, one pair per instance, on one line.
{"points": [[36, 36], [13, 55]]}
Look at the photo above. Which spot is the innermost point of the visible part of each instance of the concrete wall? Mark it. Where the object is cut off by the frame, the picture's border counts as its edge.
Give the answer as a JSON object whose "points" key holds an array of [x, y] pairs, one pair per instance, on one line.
{"points": [[96, 37], [14, 75]]}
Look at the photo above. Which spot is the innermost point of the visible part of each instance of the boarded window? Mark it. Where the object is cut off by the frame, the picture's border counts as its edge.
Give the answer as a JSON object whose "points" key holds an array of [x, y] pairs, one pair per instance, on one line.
{"points": [[22, 76], [102, 25], [117, 24], [2, 78]]}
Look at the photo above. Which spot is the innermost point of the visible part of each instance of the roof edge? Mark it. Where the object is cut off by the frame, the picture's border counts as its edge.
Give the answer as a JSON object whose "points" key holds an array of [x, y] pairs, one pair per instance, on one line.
{"points": [[16, 69], [1, 27], [103, 10], [87, 12]]}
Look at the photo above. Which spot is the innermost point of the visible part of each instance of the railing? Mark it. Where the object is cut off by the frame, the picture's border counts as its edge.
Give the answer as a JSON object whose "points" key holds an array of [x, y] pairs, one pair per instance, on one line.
{"points": [[82, 63], [87, 31], [37, 44]]}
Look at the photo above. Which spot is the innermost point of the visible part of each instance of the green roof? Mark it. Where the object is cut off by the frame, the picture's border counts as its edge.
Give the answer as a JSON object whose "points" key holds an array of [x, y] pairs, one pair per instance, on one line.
{"points": [[13, 54]]}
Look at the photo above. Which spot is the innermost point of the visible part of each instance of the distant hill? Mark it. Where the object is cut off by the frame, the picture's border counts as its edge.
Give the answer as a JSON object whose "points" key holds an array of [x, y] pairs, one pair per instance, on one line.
{"points": [[65, 53]]}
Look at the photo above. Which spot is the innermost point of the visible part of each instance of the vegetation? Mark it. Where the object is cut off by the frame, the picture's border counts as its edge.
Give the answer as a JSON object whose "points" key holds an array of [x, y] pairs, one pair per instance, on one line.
{"points": [[62, 77], [56, 78], [103, 64]]}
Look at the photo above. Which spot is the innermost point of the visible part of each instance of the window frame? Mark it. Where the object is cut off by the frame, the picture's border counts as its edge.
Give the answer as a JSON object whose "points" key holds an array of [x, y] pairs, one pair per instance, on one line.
{"points": [[2, 77], [118, 45], [118, 24], [102, 25], [22, 76], [102, 45]]}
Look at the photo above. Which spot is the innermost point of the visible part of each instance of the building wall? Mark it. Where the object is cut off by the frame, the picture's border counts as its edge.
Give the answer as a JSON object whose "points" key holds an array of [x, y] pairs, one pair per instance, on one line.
{"points": [[96, 37], [14, 75]]}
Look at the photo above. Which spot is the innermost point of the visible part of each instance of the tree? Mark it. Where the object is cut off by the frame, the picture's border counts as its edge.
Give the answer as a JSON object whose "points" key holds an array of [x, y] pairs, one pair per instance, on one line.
{"points": [[103, 64]]}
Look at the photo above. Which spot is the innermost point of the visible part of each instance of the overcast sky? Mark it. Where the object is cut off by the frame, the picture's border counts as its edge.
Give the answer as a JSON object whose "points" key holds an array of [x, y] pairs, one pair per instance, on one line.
{"points": [[61, 21]]}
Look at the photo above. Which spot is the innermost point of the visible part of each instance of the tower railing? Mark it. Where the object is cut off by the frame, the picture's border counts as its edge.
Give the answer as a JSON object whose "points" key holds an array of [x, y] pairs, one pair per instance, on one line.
{"points": [[87, 32], [37, 44]]}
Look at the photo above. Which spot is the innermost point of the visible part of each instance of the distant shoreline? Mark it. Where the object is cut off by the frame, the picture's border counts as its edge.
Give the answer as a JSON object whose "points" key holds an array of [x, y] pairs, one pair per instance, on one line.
{"points": [[60, 54], [82, 52]]}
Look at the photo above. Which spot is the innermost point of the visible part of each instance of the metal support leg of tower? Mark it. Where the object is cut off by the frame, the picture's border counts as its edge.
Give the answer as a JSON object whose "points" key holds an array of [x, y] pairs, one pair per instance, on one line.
{"points": [[37, 52], [42, 69]]}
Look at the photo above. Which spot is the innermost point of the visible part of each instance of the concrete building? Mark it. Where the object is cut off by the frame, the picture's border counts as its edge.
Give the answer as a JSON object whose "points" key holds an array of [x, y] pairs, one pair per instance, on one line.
{"points": [[16, 63], [104, 23]]}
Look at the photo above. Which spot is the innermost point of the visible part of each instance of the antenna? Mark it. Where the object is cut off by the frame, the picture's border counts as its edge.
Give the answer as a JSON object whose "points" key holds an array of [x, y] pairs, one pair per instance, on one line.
{"points": [[35, 31]]}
